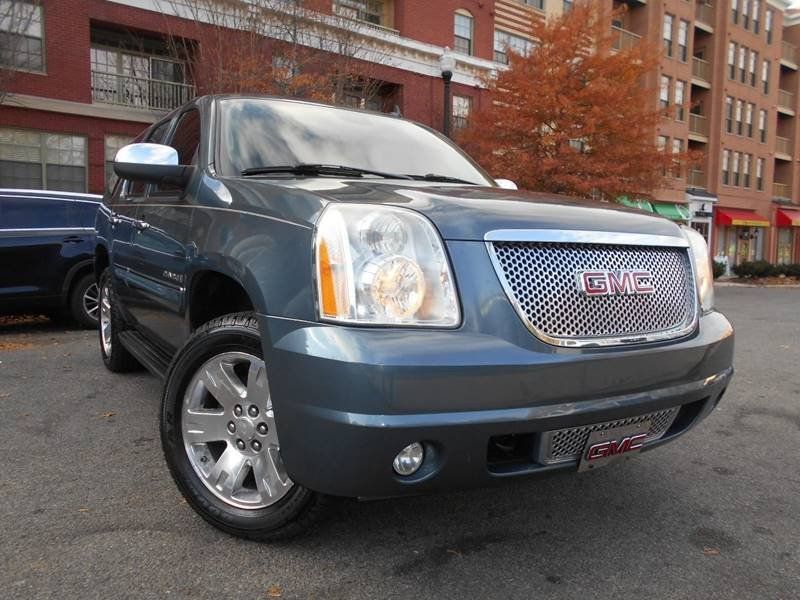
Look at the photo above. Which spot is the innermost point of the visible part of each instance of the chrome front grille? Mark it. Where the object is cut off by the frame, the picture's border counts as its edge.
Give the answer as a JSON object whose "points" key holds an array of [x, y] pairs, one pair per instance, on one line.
{"points": [[541, 280], [564, 445]]}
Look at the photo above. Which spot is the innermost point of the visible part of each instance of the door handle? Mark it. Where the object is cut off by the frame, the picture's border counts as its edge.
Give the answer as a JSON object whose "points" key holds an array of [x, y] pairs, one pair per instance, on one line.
{"points": [[72, 239], [114, 219], [141, 225]]}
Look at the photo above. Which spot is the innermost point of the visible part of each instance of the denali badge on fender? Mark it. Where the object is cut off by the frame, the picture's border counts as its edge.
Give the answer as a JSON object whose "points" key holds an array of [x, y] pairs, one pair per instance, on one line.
{"points": [[606, 445], [613, 283]]}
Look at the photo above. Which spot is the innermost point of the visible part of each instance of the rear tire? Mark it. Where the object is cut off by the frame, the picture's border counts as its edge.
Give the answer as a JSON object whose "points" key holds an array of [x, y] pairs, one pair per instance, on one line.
{"points": [[84, 304], [115, 356], [219, 437]]}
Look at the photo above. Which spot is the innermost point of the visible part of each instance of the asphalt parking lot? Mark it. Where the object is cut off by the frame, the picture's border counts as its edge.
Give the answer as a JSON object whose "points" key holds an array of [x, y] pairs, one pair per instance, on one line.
{"points": [[88, 510]]}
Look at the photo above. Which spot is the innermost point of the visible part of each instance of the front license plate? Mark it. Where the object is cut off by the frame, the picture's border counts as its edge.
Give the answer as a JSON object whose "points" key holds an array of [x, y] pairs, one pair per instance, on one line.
{"points": [[607, 445]]}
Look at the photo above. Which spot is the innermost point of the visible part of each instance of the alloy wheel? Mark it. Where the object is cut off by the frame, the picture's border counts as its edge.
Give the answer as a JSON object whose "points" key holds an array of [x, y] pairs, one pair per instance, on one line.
{"points": [[91, 301], [229, 435], [105, 318]]}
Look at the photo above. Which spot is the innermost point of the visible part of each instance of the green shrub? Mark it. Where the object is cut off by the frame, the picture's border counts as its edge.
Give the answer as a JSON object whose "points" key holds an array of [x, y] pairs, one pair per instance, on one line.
{"points": [[756, 268], [719, 269], [792, 270]]}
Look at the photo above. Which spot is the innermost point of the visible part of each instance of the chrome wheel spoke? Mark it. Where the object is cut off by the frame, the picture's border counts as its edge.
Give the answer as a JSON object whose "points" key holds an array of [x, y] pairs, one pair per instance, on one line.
{"points": [[227, 474], [270, 475], [222, 382], [105, 319], [90, 300], [204, 426], [257, 391]]}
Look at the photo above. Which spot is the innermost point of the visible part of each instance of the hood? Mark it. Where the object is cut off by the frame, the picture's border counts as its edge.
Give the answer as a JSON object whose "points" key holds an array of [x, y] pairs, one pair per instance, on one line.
{"points": [[470, 212]]}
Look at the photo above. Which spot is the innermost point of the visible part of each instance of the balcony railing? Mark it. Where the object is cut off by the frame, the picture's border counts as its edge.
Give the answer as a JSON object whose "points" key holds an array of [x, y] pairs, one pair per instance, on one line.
{"points": [[704, 13], [789, 52], [701, 69], [139, 92], [783, 145], [624, 39], [781, 190], [785, 99], [698, 124], [696, 178]]}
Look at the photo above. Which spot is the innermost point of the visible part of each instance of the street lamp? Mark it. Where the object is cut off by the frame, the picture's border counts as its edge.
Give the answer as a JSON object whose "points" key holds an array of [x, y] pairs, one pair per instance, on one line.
{"points": [[447, 63]]}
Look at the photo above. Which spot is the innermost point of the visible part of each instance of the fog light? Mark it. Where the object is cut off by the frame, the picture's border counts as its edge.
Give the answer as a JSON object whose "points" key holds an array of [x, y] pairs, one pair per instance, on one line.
{"points": [[409, 459]]}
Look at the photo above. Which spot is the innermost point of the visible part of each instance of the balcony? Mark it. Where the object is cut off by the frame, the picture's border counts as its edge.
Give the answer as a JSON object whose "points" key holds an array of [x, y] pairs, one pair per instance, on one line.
{"points": [[139, 92], [696, 179], [701, 72], [783, 148], [786, 102], [781, 190], [377, 14], [789, 55], [624, 39], [698, 128], [704, 16]]}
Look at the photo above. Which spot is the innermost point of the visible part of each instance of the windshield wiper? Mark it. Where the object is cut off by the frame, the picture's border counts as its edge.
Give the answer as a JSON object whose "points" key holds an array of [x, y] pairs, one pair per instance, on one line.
{"points": [[441, 178], [320, 169]]}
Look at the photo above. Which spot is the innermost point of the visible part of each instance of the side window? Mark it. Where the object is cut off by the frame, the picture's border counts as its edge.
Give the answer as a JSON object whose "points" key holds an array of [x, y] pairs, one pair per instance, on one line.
{"points": [[186, 139], [156, 136], [35, 213]]}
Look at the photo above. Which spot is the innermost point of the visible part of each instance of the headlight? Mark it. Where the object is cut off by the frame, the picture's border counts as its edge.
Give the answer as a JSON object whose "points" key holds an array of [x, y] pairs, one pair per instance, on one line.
{"points": [[380, 265], [702, 267]]}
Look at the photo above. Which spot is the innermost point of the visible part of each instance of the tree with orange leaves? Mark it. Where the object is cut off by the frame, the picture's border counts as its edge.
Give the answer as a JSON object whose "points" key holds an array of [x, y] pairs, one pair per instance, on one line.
{"points": [[575, 115]]}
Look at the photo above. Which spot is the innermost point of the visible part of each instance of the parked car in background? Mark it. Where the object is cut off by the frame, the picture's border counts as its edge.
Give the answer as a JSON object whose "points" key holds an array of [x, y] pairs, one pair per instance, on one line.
{"points": [[46, 254], [343, 303]]}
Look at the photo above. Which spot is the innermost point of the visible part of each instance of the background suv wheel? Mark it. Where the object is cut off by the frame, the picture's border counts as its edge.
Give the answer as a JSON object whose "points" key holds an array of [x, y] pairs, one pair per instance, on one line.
{"points": [[84, 302]]}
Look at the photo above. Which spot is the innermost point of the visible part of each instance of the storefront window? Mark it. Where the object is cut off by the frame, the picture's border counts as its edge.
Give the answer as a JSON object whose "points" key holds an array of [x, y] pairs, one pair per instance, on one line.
{"points": [[785, 239]]}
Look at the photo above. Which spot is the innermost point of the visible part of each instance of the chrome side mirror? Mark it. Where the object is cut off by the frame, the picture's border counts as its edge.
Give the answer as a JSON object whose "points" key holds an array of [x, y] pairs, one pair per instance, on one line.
{"points": [[151, 163], [506, 184]]}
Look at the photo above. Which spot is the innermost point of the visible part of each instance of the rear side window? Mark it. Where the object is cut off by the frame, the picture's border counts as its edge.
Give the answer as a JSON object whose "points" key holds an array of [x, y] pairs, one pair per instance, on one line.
{"points": [[83, 213], [34, 213]]}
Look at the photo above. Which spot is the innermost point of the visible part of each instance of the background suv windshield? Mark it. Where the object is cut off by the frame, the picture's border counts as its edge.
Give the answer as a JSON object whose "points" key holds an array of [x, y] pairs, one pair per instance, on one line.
{"points": [[262, 133]]}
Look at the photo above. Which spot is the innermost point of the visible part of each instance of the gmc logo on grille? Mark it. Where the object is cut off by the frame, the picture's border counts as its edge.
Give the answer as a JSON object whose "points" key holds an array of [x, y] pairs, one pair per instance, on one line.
{"points": [[615, 283], [614, 447]]}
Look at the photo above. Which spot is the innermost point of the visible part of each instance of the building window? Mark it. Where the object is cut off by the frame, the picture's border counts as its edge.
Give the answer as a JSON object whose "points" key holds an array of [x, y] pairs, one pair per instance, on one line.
{"points": [[739, 113], [683, 36], [36, 160], [729, 114], [138, 80], [762, 126], [677, 149], [745, 13], [505, 41], [765, 75], [746, 170], [663, 99], [21, 35], [726, 160], [667, 34], [462, 109], [742, 64], [749, 119], [463, 29], [369, 11], [735, 11], [568, 5], [535, 3], [752, 67], [661, 144], [785, 245], [680, 100], [756, 16], [736, 159], [112, 145], [760, 174], [768, 18], [731, 60]]}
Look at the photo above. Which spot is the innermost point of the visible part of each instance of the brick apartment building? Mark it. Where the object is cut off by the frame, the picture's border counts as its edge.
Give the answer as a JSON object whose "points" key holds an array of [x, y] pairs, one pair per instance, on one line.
{"points": [[729, 74]]}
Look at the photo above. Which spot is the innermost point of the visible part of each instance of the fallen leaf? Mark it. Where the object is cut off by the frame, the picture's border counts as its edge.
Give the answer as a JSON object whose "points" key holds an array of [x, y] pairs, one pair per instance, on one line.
{"points": [[709, 551], [83, 509], [456, 552], [108, 415], [273, 592]]}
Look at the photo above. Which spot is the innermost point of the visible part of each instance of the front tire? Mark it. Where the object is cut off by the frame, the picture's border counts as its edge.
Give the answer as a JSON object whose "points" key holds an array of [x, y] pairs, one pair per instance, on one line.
{"points": [[219, 437]]}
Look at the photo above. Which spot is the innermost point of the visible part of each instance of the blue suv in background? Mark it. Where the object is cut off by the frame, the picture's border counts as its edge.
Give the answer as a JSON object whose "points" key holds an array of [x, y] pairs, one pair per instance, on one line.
{"points": [[46, 254]]}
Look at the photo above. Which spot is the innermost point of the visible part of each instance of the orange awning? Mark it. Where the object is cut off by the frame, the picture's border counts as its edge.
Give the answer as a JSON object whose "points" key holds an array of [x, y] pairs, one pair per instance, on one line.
{"points": [[787, 218], [739, 217]]}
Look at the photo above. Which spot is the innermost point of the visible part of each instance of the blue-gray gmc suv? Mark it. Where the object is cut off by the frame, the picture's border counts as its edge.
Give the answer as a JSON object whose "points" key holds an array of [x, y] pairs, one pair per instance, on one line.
{"points": [[343, 303]]}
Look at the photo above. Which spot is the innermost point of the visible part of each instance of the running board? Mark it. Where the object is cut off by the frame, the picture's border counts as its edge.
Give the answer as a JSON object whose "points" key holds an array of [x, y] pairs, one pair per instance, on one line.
{"points": [[153, 359]]}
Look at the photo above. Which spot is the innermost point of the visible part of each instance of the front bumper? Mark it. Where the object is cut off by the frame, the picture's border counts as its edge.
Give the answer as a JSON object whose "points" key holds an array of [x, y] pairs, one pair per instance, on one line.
{"points": [[348, 399]]}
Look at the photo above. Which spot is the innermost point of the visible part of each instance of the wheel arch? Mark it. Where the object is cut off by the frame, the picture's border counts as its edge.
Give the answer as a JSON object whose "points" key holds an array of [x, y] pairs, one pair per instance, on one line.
{"points": [[215, 291], [75, 272]]}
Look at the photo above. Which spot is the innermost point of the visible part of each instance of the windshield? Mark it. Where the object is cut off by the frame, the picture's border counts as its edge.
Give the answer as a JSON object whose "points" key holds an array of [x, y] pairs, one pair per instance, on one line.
{"points": [[260, 132]]}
